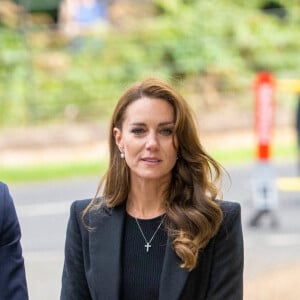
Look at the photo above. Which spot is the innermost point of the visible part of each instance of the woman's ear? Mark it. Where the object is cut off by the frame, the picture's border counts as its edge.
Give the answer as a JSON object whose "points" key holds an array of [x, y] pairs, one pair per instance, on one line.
{"points": [[118, 136]]}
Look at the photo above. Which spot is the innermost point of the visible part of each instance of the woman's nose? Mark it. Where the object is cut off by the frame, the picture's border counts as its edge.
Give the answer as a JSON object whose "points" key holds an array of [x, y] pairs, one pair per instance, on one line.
{"points": [[152, 142]]}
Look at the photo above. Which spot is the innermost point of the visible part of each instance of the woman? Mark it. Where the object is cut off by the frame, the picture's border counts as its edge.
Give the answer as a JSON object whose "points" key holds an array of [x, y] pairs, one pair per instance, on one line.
{"points": [[158, 231]]}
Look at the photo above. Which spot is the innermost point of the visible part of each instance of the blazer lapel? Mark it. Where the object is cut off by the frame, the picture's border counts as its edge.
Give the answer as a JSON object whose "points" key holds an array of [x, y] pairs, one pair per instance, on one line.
{"points": [[173, 277], [105, 250], [106, 258]]}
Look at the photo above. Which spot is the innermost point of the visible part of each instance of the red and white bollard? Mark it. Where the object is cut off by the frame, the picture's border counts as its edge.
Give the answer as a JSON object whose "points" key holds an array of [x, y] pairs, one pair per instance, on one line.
{"points": [[264, 190], [264, 97]]}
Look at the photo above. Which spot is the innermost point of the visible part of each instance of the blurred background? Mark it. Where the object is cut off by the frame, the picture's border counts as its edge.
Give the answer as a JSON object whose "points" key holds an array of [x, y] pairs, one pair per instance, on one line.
{"points": [[63, 65]]}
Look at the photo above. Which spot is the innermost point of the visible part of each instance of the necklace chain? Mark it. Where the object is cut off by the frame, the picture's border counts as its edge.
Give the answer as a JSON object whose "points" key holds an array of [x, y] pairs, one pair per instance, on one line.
{"points": [[148, 243]]}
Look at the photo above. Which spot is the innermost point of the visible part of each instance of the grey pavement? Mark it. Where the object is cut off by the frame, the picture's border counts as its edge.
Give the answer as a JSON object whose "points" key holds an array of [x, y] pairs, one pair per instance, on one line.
{"points": [[43, 210]]}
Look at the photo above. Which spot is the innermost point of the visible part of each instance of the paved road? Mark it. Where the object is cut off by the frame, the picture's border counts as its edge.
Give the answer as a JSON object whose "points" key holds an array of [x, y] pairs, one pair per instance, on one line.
{"points": [[43, 210]]}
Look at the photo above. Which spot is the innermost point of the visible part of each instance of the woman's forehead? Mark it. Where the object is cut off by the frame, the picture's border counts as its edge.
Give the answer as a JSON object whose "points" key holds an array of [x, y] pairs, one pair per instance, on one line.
{"points": [[149, 109]]}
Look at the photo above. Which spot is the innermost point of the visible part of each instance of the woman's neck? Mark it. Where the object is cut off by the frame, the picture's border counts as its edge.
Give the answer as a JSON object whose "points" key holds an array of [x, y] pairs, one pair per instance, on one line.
{"points": [[146, 199]]}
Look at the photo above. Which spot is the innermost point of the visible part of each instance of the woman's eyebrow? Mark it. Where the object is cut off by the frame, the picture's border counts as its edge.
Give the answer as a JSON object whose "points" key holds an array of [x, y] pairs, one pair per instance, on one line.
{"points": [[166, 123], [137, 124], [144, 124]]}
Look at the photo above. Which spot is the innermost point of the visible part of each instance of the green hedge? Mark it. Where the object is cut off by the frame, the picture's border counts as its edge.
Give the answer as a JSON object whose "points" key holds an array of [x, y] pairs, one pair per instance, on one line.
{"points": [[38, 5], [228, 41]]}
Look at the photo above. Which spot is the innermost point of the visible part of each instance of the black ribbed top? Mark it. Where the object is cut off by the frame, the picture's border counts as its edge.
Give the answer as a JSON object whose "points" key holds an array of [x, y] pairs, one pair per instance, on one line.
{"points": [[142, 269]]}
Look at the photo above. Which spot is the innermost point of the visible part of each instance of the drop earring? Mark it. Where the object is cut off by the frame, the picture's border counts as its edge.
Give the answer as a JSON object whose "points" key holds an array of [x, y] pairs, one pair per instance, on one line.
{"points": [[122, 154]]}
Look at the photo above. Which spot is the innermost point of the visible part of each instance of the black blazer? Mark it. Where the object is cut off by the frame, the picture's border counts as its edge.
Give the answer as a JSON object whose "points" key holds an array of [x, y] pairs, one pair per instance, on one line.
{"points": [[92, 267], [12, 272]]}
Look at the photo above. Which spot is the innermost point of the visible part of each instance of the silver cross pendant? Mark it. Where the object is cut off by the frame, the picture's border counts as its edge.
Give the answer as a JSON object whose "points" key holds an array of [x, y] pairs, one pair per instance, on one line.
{"points": [[147, 246]]}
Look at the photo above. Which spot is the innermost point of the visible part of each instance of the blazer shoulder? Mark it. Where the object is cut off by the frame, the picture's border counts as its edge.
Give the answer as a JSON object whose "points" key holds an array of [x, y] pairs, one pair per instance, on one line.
{"points": [[3, 193], [231, 212], [8, 217], [3, 186], [98, 209], [230, 206], [79, 205]]}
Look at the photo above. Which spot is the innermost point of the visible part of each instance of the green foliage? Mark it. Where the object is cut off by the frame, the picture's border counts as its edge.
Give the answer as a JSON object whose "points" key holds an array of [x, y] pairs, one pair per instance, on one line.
{"points": [[52, 171], [225, 37], [45, 5], [185, 40], [13, 69]]}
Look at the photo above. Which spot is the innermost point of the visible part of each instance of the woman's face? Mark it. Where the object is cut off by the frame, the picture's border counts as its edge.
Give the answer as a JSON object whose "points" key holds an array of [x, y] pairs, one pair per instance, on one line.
{"points": [[146, 139]]}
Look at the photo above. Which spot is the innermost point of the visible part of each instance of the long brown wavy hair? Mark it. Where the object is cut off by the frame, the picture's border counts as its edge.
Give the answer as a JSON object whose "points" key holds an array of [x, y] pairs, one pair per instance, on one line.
{"points": [[193, 214]]}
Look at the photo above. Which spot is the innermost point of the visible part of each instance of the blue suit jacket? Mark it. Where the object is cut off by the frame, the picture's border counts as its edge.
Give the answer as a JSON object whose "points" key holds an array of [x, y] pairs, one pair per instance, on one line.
{"points": [[93, 260], [12, 272]]}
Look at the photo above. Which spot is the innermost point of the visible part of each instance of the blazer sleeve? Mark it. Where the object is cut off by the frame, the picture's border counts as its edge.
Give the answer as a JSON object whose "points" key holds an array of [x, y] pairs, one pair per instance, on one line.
{"points": [[13, 284], [74, 282], [226, 280]]}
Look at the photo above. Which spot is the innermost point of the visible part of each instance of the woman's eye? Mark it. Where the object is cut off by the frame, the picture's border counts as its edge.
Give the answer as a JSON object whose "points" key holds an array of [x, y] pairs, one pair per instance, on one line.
{"points": [[137, 131], [167, 131]]}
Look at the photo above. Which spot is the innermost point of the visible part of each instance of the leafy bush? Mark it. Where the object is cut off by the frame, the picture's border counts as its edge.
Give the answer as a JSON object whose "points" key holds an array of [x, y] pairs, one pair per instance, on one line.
{"points": [[222, 42]]}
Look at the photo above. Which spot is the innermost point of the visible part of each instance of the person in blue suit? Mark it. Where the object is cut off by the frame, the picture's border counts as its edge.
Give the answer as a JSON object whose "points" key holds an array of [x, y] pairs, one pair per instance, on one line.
{"points": [[158, 230], [13, 284]]}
